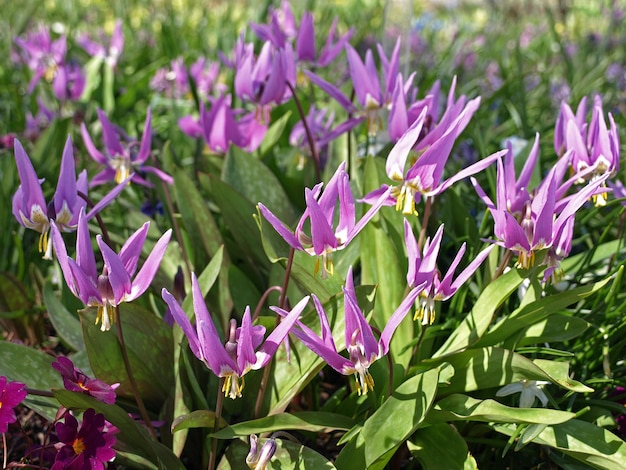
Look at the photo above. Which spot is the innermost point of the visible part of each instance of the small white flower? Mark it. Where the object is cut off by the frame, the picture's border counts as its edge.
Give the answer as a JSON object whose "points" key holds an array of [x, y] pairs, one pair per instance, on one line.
{"points": [[529, 390]]}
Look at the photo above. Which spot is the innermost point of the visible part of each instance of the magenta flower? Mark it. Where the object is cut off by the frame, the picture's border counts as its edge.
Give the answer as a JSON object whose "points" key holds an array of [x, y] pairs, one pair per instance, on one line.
{"points": [[122, 159], [281, 27], [118, 281], [75, 380], [235, 358], [363, 347], [111, 54], [204, 74], [87, 447], [30, 208], [172, 82], [423, 271], [11, 395], [320, 211]]}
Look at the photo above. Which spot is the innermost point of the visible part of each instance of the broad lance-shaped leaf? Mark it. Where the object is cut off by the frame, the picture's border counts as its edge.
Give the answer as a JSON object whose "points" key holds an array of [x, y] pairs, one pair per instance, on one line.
{"points": [[477, 321], [478, 369], [203, 232], [594, 446], [397, 418], [33, 368], [150, 350], [537, 311], [132, 438], [288, 456], [314, 421], [441, 446], [65, 324], [459, 407]]}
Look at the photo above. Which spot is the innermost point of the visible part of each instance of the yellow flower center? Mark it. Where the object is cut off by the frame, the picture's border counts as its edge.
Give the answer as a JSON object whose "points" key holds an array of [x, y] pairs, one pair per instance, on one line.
{"points": [[78, 446]]}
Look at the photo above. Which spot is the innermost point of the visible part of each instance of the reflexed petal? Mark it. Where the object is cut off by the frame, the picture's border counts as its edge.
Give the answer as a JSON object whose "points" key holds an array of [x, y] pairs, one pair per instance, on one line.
{"points": [[85, 257], [276, 337], [280, 227], [109, 135], [215, 356], [91, 148], [398, 155], [181, 318], [397, 317], [61, 254], [150, 267], [322, 233], [131, 250], [146, 140]]}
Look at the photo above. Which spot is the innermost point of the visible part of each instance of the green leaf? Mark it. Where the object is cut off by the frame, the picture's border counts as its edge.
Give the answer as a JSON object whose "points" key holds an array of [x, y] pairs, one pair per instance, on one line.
{"points": [[92, 77], [537, 311], [288, 456], [13, 296], [238, 215], [391, 424], [314, 421], [196, 419], [274, 133], [585, 442], [203, 232], [150, 350], [132, 437], [459, 407], [478, 369], [256, 182], [441, 446], [65, 324], [555, 328], [33, 368], [477, 321]]}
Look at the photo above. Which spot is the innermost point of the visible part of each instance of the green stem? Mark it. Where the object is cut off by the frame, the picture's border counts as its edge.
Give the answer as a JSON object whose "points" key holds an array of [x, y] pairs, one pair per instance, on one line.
{"points": [[219, 404], [281, 304], [131, 378]]}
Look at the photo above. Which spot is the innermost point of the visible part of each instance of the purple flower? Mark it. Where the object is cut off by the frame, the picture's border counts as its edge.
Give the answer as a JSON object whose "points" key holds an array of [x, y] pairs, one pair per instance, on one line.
{"points": [[41, 54], [235, 358], [11, 395], [592, 145], [122, 159], [204, 74], [172, 82], [363, 347], [423, 271], [423, 178], [98, 48], [281, 27], [87, 447], [30, 208], [69, 82], [305, 43], [75, 380], [320, 211], [118, 281]]}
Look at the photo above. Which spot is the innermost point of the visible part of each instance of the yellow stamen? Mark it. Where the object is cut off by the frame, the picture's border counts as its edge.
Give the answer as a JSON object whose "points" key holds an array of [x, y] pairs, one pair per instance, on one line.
{"points": [[364, 382], [79, 446], [232, 386]]}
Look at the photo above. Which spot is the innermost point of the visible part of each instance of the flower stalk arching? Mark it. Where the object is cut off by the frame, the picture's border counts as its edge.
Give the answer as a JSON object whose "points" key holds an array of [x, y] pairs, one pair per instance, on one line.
{"points": [[307, 130]]}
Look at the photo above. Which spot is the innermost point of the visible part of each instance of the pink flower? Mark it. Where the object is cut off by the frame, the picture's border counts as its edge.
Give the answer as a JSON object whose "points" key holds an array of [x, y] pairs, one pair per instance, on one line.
{"points": [[11, 395]]}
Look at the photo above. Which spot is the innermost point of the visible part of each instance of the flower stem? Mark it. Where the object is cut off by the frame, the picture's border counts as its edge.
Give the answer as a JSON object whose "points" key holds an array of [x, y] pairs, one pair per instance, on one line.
{"points": [[219, 404], [131, 378], [309, 136], [90, 203], [262, 300], [281, 304]]}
